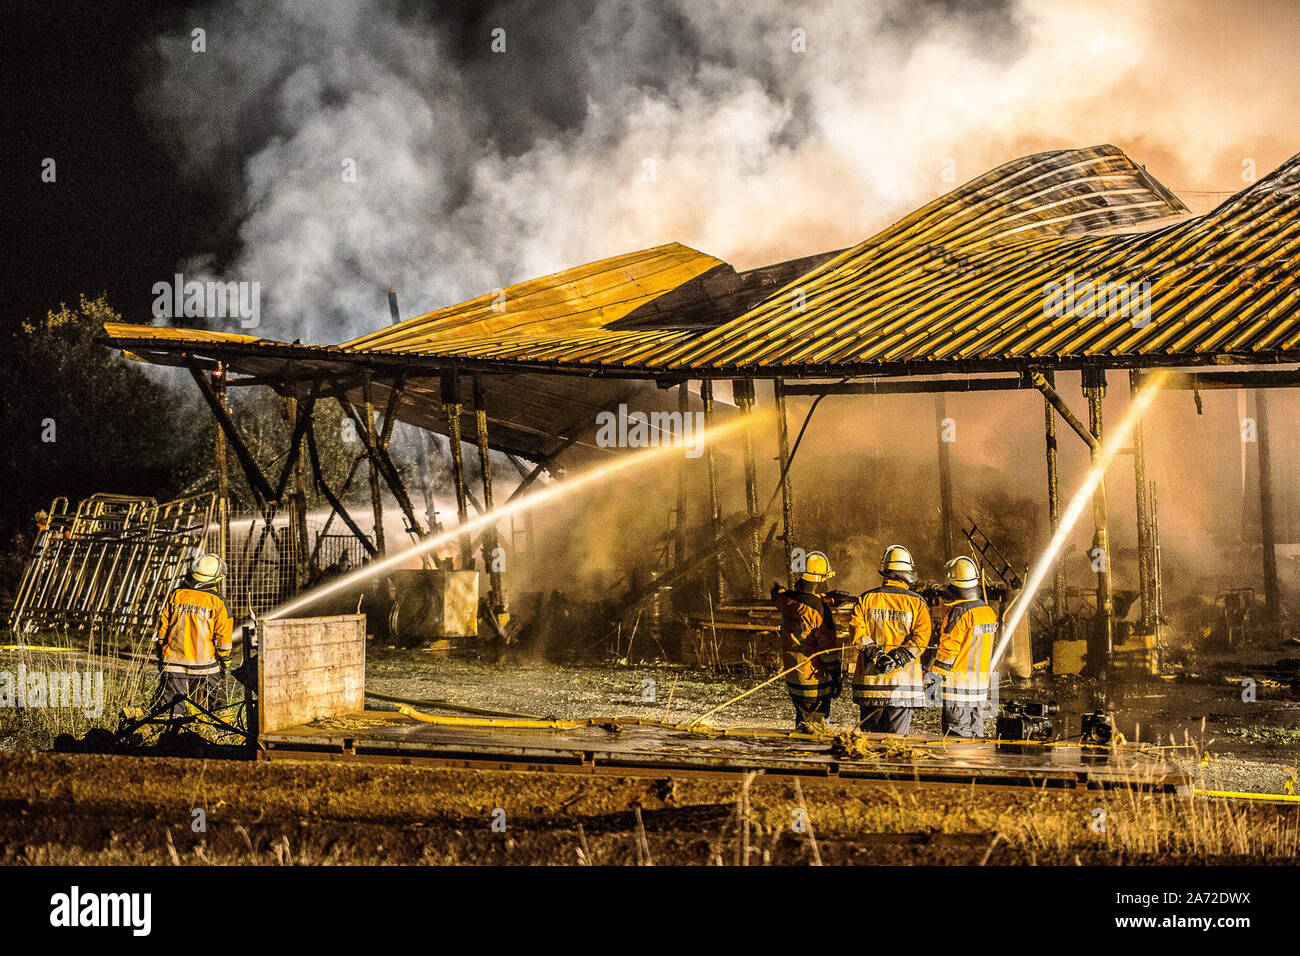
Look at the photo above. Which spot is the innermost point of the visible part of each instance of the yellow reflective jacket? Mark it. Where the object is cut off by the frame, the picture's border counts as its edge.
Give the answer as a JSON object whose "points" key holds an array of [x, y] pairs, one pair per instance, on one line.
{"points": [[967, 634], [884, 619], [807, 640], [194, 632]]}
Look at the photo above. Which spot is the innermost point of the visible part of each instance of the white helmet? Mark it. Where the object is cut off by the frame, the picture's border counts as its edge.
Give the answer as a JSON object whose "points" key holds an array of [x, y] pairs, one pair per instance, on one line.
{"points": [[897, 562], [207, 569], [962, 573]]}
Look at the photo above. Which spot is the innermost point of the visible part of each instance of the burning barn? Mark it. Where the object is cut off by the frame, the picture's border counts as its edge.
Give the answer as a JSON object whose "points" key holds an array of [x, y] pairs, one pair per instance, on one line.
{"points": [[1069, 260]]}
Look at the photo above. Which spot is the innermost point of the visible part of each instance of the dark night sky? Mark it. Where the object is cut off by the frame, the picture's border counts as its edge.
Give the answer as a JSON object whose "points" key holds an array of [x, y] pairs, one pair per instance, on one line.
{"points": [[121, 215], [118, 216]]}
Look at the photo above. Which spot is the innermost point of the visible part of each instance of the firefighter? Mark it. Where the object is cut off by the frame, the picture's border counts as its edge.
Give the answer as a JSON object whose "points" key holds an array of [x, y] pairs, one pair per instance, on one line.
{"points": [[808, 629], [967, 632], [194, 634], [890, 627]]}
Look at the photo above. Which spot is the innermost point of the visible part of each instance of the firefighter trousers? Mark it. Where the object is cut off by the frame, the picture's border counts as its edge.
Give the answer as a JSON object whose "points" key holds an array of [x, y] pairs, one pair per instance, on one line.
{"points": [[884, 720], [963, 720]]}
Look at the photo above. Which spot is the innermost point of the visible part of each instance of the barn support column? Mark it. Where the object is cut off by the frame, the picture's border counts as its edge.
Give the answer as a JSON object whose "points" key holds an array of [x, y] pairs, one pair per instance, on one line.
{"points": [[716, 588], [423, 442], [679, 531], [787, 490], [451, 406], [1094, 387], [945, 475], [1054, 499], [491, 555], [1146, 540], [744, 395], [223, 473], [376, 498], [1267, 535]]}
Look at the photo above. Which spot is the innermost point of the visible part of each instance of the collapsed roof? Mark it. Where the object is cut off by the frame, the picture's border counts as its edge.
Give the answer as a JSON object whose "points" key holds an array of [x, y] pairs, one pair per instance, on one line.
{"points": [[965, 283]]}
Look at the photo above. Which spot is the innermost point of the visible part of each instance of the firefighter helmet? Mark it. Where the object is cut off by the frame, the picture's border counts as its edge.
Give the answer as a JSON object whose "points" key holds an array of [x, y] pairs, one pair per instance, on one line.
{"points": [[816, 568], [208, 569], [896, 562], [962, 573]]}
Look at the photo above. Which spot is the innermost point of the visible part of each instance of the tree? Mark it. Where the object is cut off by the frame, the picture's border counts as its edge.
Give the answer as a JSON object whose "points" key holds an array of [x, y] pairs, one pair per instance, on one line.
{"points": [[76, 418]]}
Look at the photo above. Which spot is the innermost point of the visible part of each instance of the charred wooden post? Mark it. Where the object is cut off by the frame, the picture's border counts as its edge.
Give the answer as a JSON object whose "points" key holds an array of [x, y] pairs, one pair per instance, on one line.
{"points": [[423, 450], [336, 506], [1146, 546], [293, 466], [1094, 387], [787, 490], [1054, 499], [451, 406], [371, 440], [679, 532], [945, 474], [744, 395], [491, 543], [223, 473], [257, 483], [715, 506], [1267, 534]]}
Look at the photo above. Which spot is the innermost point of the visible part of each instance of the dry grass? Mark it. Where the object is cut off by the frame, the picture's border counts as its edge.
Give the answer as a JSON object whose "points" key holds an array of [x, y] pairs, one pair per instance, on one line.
{"points": [[129, 680], [120, 809]]}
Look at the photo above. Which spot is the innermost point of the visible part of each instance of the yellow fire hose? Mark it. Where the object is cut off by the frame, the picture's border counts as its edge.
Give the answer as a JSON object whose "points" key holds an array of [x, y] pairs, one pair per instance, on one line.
{"points": [[36, 647], [1247, 795]]}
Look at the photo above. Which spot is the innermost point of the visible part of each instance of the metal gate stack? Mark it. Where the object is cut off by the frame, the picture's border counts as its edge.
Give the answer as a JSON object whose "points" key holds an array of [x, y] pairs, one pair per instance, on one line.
{"points": [[107, 568]]}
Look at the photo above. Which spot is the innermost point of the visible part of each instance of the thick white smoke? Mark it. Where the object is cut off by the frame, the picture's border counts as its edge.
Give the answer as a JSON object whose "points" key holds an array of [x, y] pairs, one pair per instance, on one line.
{"points": [[754, 132]]}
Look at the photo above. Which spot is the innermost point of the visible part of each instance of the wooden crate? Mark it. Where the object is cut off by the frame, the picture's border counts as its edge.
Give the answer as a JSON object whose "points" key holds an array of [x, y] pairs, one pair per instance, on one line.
{"points": [[309, 668]]}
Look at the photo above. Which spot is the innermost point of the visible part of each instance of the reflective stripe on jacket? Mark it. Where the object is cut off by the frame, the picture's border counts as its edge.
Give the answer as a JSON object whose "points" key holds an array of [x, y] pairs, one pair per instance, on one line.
{"points": [[967, 634], [884, 619], [194, 632], [806, 628]]}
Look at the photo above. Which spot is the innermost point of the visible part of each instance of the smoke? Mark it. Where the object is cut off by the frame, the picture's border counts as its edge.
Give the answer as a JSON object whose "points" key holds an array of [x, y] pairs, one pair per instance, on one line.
{"points": [[755, 132]]}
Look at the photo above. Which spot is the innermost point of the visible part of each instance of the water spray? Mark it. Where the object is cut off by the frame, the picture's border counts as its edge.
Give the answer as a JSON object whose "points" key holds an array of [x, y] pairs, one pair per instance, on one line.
{"points": [[1110, 447], [521, 504]]}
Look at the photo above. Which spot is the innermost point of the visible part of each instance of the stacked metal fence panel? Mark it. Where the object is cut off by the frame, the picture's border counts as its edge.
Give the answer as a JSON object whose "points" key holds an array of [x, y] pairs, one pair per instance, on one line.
{"points": [[107, 567], [262, 562]]}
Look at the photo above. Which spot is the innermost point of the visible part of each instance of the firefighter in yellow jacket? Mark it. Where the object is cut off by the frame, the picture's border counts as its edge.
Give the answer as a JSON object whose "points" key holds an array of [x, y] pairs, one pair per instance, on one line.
{"points": [[967, 632], [807, 644], [890, 627], [194, 633]]}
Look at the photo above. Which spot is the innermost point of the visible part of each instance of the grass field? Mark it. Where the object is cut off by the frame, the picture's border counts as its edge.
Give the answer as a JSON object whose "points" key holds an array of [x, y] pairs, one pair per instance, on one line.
{"points": [[57, 808]]}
